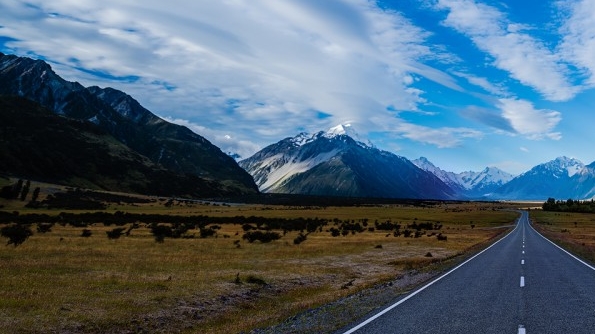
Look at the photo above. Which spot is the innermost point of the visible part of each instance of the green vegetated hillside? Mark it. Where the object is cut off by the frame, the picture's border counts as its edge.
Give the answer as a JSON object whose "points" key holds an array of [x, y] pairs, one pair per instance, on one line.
{"points": [[38, 144]]}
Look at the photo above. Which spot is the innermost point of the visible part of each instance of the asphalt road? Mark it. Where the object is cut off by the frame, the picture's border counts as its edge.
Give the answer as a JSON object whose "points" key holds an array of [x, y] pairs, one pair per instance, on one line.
{"points": [[522, 284]]}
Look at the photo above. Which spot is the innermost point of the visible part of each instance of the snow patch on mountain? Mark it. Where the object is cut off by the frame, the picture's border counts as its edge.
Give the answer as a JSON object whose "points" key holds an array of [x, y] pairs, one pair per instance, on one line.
{"points": [[278, 175], [471, 184], [346, 130], [450, 178]]}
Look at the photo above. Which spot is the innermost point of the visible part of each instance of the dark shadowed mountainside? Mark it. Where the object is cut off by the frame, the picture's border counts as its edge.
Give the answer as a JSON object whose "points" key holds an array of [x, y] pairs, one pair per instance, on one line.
{"points": [[174, 147], [38, 144]]}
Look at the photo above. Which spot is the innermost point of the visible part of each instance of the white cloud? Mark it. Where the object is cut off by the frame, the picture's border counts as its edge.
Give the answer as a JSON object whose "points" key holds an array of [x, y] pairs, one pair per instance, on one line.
{"points": [[444, 137], [228, 143], [525, 58], [484, 83], [578, 44], [247, 73], [530, 122], [262, 68]]}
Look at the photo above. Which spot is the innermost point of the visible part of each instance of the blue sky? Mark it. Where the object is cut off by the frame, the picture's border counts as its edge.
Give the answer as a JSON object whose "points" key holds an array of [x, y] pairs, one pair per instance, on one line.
{"points": [[465, 83]]}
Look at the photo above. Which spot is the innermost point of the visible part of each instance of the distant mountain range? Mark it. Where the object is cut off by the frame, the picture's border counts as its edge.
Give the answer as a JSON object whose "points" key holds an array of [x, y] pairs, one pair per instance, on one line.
{"points": [[171, 147], [468, 184], [55, 130], [562, 178], [338, 162]]}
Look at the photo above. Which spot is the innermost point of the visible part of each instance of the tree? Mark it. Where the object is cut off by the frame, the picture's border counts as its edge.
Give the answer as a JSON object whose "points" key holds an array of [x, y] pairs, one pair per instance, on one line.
{"points": [[35, 194], [12, 191], [25, 190], [16, 190]]}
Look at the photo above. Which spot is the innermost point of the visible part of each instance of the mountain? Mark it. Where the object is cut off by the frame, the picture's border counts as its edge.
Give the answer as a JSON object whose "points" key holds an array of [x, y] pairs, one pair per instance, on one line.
{"points": [[174, 147], [332, 163], [584, 183], [449, 178], [561, 178], [474, 185], [483, 184], [82, 154]]}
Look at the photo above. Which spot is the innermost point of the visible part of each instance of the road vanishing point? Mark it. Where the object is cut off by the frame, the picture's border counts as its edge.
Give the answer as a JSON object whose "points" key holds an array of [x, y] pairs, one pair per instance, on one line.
{"points": [[521, 284]]}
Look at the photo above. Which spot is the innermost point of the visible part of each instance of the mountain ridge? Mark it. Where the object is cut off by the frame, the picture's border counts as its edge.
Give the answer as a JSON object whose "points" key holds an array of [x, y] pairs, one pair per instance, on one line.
{"points": [[333, 163], [173, 146], [29, 130]]}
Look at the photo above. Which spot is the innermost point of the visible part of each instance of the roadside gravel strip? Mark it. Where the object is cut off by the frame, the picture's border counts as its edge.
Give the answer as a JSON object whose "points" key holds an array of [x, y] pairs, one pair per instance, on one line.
{"points": [[329, 317], [333, 316]]}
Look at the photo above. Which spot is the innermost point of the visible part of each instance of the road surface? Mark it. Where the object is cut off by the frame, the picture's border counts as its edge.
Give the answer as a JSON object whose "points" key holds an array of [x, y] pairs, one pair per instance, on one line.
{"points": [[522, 284]]}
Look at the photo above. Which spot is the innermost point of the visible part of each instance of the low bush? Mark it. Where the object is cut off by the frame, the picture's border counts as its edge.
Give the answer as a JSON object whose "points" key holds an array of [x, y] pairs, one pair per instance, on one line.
{"points": [[300, 238], [261, 236], [16, 233], [115, 233]]}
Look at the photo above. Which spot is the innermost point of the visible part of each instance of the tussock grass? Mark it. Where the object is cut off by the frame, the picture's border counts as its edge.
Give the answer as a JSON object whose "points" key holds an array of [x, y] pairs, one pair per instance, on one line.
{"points": [[573, 231], [60, 281]]}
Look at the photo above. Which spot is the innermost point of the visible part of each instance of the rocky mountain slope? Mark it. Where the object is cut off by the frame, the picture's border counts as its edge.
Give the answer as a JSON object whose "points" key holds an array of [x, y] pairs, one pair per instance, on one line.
{"points": [[561, 178], [333, 163], [37, 144], [472, 185], [174, 147]]}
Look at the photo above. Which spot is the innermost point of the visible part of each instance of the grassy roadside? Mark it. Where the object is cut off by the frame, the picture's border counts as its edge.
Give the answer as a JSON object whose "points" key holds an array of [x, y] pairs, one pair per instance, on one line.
{"points": [[60, 281], [574, 232]]}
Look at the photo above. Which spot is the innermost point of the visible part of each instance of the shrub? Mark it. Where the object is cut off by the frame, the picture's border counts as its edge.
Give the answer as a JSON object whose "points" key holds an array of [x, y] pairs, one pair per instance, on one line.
{"points": [[16, 234], [248, 227], [44, 228], [300, 238], [255, 280], [207, 232], [86, 233], [335, 232], [441, 237], [261, 236], [115, 233], [161, 231]]}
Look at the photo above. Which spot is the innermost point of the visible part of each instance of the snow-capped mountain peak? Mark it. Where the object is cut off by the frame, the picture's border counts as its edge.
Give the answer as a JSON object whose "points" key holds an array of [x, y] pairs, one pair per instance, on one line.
{"points": [[561, 167], [347, 129], [492, 175], [302, 139], [571, 165], [335, 163], [341, 129], [472, 184]]}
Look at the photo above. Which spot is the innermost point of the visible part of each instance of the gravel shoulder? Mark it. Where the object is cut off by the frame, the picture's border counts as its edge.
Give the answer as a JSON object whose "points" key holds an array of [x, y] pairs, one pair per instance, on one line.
{"points": [[334, 317], [328, 318]]}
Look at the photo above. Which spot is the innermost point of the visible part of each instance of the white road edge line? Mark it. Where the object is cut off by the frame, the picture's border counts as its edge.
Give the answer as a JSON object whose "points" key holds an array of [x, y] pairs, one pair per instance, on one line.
{"points": [[379, 314], [522, 281], [562, 249]]}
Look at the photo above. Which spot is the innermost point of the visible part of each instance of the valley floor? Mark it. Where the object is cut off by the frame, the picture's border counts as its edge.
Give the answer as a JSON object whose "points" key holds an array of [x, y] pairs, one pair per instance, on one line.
{"points": [[218, 281]]}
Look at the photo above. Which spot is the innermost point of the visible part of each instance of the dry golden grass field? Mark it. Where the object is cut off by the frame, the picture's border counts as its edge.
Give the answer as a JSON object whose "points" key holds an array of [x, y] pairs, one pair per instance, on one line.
{"points": [[59, 281], [573, 231]]}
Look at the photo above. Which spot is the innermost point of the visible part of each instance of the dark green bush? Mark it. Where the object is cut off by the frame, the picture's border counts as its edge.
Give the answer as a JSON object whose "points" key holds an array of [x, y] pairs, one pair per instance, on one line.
{"points": [[16, 233], [261, 236]]}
